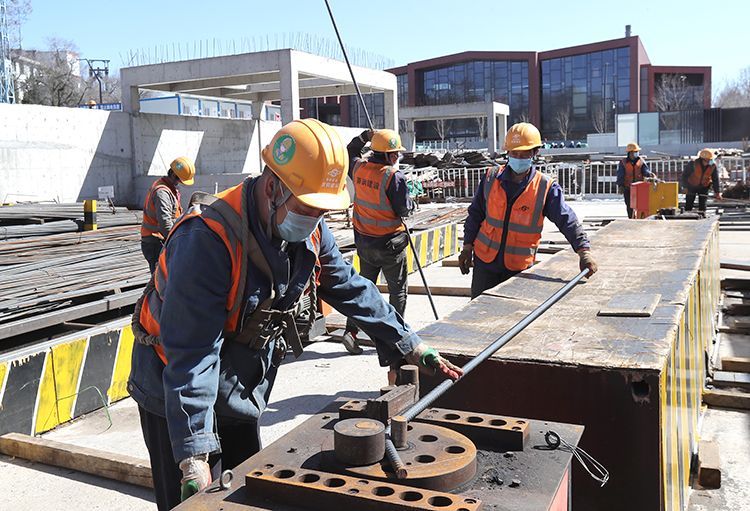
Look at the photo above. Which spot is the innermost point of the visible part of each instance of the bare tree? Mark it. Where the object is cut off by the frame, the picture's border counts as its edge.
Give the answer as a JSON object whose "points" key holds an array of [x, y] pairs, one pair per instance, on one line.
{"points": [[18, 11], [597, 118], [524, 117], [672, 94], [735, 93], [54, 81], [562, 120], [442, 126], [481, 126]]}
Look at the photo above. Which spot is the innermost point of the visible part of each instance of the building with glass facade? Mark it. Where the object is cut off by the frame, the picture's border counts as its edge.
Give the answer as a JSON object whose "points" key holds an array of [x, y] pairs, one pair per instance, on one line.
{"points": [[567, 92]]}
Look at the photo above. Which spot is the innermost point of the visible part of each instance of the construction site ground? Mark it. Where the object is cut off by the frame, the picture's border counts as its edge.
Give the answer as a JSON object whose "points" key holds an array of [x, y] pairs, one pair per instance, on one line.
{"points": [[323, 373]]}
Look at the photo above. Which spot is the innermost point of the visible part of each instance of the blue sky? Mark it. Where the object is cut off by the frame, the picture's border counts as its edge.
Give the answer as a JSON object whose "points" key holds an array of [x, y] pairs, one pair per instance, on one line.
{"points": [[674, 33]]}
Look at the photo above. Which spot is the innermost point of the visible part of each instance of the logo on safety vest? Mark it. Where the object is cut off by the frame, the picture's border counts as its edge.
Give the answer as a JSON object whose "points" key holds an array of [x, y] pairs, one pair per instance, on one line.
{"points": [[393, 143], [283, 149], [524, 208]]}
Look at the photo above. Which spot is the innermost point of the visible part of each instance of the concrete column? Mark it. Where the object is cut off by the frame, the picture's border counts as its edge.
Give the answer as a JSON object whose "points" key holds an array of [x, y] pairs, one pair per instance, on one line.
{"points": [[257, 110], [491, 129], [130, 101], [391, 110], [289, 78], [409, 140]]}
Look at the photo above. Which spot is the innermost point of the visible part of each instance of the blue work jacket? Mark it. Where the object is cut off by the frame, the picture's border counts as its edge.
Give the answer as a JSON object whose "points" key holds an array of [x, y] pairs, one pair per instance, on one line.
{"points": [[205, 376], [555, 208]]}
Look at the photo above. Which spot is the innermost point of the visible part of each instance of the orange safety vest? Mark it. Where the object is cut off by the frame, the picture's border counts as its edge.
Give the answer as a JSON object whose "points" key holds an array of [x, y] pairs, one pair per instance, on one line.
{"points": [[226, 216], [373, 213], [701, 177], [633, 172], [150, 225], [521, 224]]}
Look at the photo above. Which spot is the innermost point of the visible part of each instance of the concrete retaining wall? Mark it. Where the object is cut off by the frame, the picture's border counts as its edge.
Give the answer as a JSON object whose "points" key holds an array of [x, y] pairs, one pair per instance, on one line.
{"points": [[66, 154], [62, 154]]}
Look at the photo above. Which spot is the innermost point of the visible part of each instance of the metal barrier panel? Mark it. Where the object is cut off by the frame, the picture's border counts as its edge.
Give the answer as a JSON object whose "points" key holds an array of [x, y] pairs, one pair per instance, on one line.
{"points": [[578, 180]]}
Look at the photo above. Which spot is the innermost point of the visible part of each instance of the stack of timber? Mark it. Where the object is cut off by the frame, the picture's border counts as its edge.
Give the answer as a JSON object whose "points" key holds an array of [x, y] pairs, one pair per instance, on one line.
{"points": [[43, 219]]}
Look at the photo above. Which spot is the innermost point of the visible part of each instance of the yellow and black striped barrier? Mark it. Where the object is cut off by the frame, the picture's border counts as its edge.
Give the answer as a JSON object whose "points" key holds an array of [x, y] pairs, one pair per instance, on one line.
{"points": [[50, 384], [432, 245], [89, 215]]}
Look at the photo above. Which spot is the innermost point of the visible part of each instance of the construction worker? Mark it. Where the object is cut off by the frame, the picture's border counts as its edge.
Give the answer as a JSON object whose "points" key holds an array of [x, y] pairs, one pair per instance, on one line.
{"points": [[631, 169], [504, 226], [219, 313], [381, 200], [698, 177], [162, 207]]}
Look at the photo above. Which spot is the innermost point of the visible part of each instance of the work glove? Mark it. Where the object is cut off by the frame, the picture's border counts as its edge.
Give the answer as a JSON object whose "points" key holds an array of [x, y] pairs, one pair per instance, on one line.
{"points": [[464, 259], [366, 136], [586, 260], [429, 360], [196, 475], [718, 196], [620, 190]]}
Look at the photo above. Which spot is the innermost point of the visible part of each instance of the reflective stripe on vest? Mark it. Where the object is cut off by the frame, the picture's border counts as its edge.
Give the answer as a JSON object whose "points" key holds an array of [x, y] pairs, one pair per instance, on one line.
{"points": [[373, 214], [150, 225], [633, 172], [524, 225], [227, 217], [701, 177]]}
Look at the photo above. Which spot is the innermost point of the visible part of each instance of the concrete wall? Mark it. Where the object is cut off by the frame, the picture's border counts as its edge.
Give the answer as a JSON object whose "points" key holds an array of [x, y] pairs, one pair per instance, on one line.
{"points": [[62, 154], [65, 154]]}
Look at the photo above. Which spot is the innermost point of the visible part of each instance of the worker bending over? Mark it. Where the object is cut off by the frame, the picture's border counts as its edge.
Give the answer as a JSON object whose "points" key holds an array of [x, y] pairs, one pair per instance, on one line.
{"points": [[381, 200], [504, 226], [162, 208], [219, 314], [631, 169], [698, 177]]}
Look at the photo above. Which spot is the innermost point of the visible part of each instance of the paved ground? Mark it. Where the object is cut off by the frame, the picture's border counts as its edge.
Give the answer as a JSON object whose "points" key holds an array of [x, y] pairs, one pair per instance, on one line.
{"points": [[304, 386]]}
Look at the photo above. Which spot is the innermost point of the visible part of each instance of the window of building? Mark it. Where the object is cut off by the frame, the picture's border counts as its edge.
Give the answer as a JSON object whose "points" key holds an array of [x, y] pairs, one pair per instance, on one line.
{"points": [[477, 81], [375, 107], [584, 92], [402, 89]]}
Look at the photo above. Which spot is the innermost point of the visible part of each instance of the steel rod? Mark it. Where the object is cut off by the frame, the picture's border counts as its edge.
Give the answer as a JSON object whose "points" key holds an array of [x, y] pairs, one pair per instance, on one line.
{"points": [[486, 353], [351, 72], [421, 272]]}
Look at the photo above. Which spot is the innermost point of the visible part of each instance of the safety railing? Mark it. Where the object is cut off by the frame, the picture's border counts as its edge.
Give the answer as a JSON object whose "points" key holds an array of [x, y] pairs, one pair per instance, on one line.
{"points": [[578, 180]]}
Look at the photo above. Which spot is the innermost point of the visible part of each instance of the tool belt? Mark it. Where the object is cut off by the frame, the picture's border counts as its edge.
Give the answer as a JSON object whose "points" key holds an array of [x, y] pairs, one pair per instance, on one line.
{"points": [[263, 326]]}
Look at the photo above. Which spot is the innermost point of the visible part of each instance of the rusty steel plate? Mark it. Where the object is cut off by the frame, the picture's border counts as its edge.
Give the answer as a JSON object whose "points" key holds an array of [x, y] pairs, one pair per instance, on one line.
{"points": [[436, 458], [325, 491]]}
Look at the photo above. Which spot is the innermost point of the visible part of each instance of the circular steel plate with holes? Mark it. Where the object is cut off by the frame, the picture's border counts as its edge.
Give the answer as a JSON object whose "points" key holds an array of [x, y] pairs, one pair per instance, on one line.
{"points": [[436, 458]]}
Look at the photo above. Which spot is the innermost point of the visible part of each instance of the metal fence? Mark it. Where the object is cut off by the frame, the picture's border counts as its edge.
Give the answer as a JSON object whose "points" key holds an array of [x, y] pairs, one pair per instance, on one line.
{"points": [[578, 180]]}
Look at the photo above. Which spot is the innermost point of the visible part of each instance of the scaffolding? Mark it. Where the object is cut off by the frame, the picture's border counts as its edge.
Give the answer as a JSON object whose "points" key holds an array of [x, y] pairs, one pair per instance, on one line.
{"points": [[7, 91]]}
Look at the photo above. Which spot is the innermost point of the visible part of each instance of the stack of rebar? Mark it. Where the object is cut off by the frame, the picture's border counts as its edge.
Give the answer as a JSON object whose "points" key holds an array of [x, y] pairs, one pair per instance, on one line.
{"points": [[49, 280], [43, 219]]}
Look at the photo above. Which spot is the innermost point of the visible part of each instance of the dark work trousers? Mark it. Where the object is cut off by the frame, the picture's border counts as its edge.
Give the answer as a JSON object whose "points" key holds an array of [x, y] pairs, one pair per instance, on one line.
{"points": [[151, 248], [239, 441], [392, 261], [483, 279], [702, 194], [626, 195]]}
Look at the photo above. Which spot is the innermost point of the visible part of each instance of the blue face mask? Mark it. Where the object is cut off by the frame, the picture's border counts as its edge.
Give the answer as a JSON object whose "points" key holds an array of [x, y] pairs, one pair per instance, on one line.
{"points": [[636, 154], [519, 165], [296, 227], [711, 162]]}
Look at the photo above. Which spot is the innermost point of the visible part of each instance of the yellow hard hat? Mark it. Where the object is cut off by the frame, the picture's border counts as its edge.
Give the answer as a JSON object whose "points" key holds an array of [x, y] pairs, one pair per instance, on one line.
{"points": [[632, 147], [522, 136], [91, 102], [706, 154], [386, 141], [309, 157], [184, 169]]}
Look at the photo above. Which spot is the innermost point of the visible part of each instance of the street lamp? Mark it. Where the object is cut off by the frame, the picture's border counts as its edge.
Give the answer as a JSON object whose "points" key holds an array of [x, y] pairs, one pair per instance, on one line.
{"points": [[96, 68]]}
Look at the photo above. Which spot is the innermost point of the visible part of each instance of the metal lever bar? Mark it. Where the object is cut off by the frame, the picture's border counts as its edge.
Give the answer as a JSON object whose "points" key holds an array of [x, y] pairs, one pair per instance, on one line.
{"points": [[426, 401]]}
